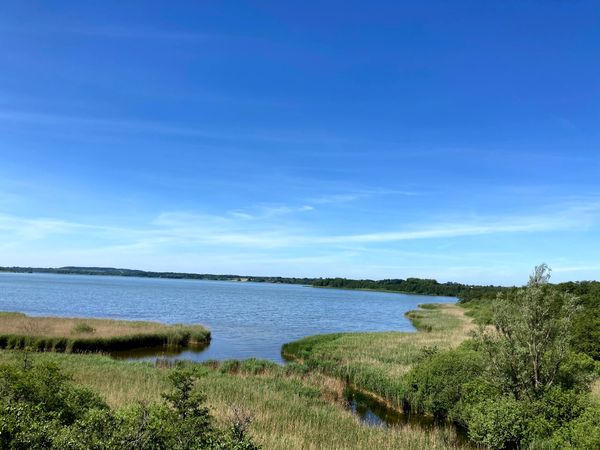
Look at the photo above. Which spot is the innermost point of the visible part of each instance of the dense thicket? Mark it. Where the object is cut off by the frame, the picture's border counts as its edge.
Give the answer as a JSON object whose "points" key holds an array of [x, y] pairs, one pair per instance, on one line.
{"points": [[586, 332], [586, 321], [521, 383]]}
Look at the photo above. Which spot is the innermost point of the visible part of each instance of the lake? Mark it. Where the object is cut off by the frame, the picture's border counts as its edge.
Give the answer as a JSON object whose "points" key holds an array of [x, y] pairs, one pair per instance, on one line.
{"points": [[246, 319]]}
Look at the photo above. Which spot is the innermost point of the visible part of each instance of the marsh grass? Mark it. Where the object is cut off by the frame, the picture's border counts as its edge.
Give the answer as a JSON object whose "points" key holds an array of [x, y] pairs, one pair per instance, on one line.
{"points": [[18, 331], [293, 406], [291, 409], [374, 362]]}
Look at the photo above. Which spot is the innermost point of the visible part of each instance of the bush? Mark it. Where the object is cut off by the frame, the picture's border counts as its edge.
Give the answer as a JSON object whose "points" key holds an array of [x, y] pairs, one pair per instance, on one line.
{"points": [[40, 407], [497, 423], [578, 371], [556, 408], [582, 433], [436, 385]]}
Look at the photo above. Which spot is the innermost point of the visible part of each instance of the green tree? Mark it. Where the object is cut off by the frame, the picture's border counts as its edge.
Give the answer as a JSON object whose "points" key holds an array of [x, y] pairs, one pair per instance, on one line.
{"points": [[531, 336]]}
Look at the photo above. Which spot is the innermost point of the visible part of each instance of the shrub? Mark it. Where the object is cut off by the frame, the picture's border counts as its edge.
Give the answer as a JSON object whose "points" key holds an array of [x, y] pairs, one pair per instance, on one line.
{"points": [[554, 409], [497, 423], [577, 372], [436, 385], [582, 433], [40, 407]]}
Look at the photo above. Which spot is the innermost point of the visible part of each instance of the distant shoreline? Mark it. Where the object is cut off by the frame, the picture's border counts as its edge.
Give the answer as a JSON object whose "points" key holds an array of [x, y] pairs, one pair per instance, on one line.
{"points": [[408, 286], [109, 271], [388, 291]]}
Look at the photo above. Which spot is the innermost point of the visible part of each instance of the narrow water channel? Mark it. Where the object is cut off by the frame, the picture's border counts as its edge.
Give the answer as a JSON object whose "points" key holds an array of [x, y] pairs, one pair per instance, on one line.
{"points": [[375, 414]]}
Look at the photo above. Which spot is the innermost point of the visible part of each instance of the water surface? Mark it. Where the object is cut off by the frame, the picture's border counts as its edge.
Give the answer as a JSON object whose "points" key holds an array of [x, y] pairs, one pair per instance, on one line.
{"points": [[375, 414], [246, 319]]}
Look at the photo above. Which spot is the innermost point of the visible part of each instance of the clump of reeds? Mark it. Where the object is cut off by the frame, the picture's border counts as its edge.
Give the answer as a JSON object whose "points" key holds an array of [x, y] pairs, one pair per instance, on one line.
{"points": [[83, 327], [18, 331]]}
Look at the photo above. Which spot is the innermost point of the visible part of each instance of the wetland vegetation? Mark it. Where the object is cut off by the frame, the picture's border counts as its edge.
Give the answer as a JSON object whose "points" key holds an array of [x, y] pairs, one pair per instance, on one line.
{"points": [[290, 406], [507, 372], [518, 380], [63, 334]]}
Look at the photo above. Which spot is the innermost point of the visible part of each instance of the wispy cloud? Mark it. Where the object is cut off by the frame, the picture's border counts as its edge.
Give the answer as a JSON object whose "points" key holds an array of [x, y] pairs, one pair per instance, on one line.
{"points": [[354, 195], [33, 229], [124, 125], [246, 230], [232, 242], [451, 230]]}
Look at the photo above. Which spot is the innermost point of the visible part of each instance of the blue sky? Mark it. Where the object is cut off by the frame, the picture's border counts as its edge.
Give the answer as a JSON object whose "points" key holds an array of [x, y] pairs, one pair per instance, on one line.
{"points": [[454, 140]]}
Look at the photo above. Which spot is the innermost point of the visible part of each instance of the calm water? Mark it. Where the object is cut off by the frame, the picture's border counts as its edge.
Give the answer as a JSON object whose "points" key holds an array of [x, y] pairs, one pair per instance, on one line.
{"points": [[375, 414], [246, 319]]}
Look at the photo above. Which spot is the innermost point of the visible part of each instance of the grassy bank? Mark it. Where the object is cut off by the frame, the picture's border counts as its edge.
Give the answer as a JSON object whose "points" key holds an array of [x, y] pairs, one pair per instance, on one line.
{"points": [[374, 362], [292, 409], [18, 331]]}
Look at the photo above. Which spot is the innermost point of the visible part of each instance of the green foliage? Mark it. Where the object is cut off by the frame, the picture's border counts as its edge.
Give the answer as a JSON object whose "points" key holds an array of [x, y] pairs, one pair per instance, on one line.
{"points": [[577, 371], [436, 384], [515, 385], [481, 310], [555, 408], [498, 422], [412, 286], [586, 332], [582, 433], [532, 337], [586, 321], [230, 366], [40, 407]]}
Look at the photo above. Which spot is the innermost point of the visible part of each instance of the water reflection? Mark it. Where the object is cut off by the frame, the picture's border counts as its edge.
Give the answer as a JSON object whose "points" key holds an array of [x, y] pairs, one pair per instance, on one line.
{"points": [[376, 414], [166, 352]]}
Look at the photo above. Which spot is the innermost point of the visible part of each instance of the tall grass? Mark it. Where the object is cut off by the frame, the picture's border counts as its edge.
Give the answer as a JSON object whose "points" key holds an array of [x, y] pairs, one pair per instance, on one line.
{"points": [[18, 331], [291, 409], [375, 362]]}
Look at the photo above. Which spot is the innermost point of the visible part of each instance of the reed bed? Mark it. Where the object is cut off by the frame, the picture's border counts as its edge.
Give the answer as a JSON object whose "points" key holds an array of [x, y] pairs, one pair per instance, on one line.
{"points": [[72, 335], [374, 362], [291, 409]]}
